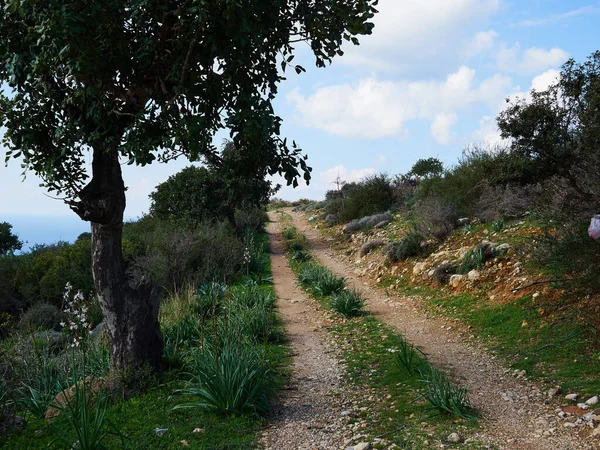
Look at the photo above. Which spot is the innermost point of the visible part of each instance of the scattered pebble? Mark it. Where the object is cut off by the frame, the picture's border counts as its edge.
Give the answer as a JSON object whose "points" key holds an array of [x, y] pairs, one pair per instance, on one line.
{"points": [[571, 397]]}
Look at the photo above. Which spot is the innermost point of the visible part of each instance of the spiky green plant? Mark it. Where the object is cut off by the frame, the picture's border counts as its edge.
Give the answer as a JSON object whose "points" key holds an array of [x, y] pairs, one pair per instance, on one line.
{"points": [[232, 379], [320, 281], [408, 357], [85, 413], [444, 395], [348, 303]]}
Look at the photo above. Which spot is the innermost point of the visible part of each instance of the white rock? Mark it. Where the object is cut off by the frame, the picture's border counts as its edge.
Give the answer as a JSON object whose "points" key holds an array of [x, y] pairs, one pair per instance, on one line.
{"points": [[419, 268], [583, 406], [569, 425], [571, 397], [501, 248], [456, 280], [362, 446], [592, 401], [455, 437], [474, 275]]}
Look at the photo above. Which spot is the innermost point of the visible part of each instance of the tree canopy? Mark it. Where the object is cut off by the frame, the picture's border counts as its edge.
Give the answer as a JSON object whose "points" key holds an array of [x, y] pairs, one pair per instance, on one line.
{"points": [[147, 80], [427, 168], [9, 242], [155, 79], [557, 131]]}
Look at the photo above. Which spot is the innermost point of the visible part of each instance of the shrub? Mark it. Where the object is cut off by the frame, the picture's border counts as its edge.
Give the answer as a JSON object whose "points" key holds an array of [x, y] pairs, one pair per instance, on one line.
{"points": [[320, 281], [368, 222], [357, 200], [409, 358], [256, 258], [570, 254], [496, 202], [408, 247], [437, 218], [253, 296], [301, 256], [442, 273], [178, 256], [251, 219], [233, 379], [348, 303], [367, 247], [43, 317], [331, 220]]}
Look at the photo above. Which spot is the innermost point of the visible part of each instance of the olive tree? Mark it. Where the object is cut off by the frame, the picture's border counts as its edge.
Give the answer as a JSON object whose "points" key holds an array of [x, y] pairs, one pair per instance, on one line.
{"points": [[150, 80]]}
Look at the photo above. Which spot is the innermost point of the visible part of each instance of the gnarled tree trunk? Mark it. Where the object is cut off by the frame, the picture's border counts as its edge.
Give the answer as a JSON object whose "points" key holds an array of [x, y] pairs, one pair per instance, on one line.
{"points": [[130, 312]]}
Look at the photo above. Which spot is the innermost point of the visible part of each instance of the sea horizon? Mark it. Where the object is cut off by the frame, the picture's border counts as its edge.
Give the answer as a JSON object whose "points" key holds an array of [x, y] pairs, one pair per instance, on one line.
{"points": [[46, 229]]}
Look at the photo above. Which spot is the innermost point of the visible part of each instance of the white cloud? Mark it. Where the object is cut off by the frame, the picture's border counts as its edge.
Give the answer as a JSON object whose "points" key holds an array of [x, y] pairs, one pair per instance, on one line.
{"points": [[440, 128], [482, 41], [330, 176], [544, 80], [374, 109], [532, 60], [418, 33]]}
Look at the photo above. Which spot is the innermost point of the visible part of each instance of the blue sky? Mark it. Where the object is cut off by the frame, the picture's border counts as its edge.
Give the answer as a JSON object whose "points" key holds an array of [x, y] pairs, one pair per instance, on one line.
{"points": [[429, 82]]}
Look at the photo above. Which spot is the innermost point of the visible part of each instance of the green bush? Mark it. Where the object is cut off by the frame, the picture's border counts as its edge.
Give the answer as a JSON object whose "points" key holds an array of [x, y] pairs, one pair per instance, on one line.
{"points": [[43, 317], [232, 379], [572, 255], [251, 219], [408, 247], [320, 281], [348, 303], [179, 256], [372, 195]]}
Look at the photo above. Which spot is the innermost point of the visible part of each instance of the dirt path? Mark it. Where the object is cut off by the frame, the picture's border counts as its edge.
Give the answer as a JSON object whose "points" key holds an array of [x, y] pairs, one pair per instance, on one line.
{"points": [[311, 410], [515, 413]]}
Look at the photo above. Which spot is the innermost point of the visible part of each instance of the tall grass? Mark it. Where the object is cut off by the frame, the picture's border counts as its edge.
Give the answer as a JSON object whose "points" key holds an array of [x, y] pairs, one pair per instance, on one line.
{"points": [[320, 281], [348, 303], [232, 379]]}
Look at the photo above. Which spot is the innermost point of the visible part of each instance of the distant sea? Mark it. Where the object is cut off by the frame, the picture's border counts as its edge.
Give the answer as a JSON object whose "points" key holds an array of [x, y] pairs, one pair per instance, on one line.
{"points": [[35, 229]]}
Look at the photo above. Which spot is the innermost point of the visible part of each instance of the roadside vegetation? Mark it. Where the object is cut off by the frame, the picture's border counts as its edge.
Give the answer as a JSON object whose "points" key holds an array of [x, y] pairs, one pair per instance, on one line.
{"points": [[412, 404], [224, 354]]}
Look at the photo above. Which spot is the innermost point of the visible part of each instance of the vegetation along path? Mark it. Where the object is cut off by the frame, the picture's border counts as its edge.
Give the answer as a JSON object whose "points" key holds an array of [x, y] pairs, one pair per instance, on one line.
{"points": [[515, 413]]}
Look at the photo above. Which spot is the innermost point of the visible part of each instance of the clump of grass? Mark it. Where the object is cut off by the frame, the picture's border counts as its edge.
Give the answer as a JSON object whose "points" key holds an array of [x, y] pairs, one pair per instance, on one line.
{"points": [[320, 281], [476, 257], [301, 256], [252, 296], [348, 303], [444, 395], [499, 224], [85, 412], [409, 357], [290, 233], [232, 379], [406, 248]]}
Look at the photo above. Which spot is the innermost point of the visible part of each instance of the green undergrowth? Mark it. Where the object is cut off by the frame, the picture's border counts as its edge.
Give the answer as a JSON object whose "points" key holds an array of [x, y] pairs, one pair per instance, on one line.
{"points": [[415, 407], [225, 357]]}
